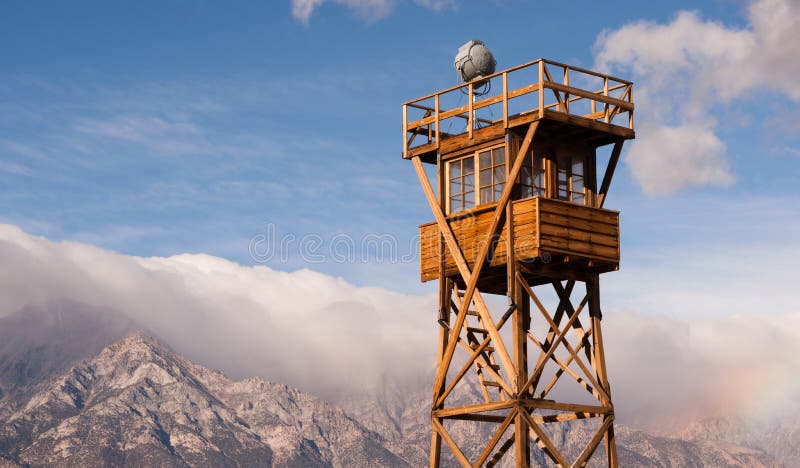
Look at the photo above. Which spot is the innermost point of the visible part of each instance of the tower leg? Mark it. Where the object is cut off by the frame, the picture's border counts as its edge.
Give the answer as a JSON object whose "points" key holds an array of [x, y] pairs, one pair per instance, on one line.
{"points": [[593, 291]]}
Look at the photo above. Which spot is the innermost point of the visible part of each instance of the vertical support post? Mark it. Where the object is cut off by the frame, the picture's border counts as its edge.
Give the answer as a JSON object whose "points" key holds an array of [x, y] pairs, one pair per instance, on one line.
{"points": [[541, 88], [606, 115], [445, 286], [566, 95], [593, 291], [471, 116], [405, 130], [505, 99], [630, 112], [438, 124], [520, 321]]}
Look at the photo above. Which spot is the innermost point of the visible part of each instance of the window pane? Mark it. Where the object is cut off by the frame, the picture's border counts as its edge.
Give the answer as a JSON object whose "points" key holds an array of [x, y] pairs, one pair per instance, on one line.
{"points": [[486, 195], [526, 191], [486, 177], [525, 178], [498, 191], [499, 174], [499, 155], [455, 168], [455, 203], [538, 180], [485, 159], [469, 182], [469, 165], [578, 198], [577, 166], [469, 199], [577, 184], [455, 187]]}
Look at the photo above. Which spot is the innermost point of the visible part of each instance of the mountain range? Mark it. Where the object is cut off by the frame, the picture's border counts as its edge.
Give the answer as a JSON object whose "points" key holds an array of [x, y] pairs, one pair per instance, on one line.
{"points": [[82, 387]]}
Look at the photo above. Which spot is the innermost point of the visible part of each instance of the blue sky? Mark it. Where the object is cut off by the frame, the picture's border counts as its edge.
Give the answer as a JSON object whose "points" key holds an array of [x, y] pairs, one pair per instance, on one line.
{"points": [[159, 128]]}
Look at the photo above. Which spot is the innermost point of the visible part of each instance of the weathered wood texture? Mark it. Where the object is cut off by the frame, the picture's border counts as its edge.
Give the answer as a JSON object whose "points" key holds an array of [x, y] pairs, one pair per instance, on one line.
{"points": [[541, 226]]}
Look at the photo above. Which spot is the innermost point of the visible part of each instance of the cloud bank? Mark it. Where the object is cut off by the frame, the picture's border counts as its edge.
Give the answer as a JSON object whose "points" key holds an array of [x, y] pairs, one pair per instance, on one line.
{"points": [[689, 73], [323, 335]]}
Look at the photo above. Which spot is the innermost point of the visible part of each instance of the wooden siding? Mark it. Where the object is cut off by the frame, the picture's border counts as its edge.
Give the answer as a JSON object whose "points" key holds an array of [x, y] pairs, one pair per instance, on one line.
{"points": [[541, 225]]}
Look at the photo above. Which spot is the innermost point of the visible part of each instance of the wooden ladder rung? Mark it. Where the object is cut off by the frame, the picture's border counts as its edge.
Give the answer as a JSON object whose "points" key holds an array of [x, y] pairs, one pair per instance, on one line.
{"points": [[492, 383], [477, 330], [496, 367], [473, 313], [487, 349]]}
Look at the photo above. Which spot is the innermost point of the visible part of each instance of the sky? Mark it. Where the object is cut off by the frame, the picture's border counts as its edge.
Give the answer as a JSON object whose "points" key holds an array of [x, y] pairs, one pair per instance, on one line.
{"points": [[178, 135]]}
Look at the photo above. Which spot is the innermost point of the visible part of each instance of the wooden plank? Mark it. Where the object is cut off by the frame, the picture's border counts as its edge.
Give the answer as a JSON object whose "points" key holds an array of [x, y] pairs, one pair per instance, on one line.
{"points": [[469, 409], [568, 232], [589, 95]]}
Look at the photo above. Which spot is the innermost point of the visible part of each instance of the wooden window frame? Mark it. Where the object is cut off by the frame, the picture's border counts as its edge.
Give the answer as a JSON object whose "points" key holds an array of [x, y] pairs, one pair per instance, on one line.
{"points": [[475, 155], [535, 191], [585, 192]]}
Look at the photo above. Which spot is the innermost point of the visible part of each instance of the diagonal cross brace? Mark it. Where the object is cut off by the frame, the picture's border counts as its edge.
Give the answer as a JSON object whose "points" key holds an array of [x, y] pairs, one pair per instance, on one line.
{"points": [[471, 277]]}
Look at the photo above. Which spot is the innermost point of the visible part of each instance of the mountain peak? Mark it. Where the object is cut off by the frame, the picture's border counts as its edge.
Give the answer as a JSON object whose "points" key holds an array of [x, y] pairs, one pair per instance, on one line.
{"points": [[140, 401]]}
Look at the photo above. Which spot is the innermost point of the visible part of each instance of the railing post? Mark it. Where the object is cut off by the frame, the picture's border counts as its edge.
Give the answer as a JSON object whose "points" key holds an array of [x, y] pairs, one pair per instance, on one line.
{"points": [[566, 95], [605, 93], [630, 112], [405, 130], [438, 125], [541, 88], [471, 111], [505, 99]]}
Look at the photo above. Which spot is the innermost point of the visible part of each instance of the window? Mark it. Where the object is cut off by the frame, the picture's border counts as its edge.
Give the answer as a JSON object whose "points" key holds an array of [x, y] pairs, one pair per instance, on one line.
{"points": [[492, 165], [461, 174], [463, 193], [570, 174], [531, 179]]}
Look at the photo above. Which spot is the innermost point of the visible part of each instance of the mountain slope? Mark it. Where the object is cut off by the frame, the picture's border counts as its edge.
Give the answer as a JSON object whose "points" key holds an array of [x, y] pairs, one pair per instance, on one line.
{"points": [[139, 403]]}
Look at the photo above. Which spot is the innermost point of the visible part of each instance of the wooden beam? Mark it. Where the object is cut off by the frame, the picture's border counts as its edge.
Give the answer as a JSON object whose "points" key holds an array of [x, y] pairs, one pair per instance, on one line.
{"points": [[609, 174], [479, 408], [471, 277], [551, 450], [458, 257], [587, 452], [451, 443], [496, 438]]}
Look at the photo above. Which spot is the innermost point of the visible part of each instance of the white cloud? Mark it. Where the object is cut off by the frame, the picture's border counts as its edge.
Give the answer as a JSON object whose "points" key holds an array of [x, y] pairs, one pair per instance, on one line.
{"points": [[438, 5], [327, 336], [687, 71], [667, 372], [303, 328], [367, 10], [671, 158]]}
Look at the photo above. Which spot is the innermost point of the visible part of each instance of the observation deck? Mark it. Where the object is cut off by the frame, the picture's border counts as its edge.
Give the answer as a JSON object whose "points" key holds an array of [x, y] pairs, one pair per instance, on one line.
{"points": [[572, 102]]}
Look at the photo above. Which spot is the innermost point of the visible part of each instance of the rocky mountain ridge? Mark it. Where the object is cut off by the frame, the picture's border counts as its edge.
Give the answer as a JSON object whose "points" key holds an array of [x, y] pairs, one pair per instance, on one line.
{"points": [[136, 401]]}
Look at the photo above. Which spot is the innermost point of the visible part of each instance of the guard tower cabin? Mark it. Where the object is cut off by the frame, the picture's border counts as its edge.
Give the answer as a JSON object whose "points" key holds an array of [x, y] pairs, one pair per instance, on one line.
{"points": [[560, 115]]}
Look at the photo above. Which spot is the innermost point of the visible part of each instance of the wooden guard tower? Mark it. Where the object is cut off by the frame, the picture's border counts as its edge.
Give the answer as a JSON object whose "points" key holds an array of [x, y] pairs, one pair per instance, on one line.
{"points": [[519, 213]]}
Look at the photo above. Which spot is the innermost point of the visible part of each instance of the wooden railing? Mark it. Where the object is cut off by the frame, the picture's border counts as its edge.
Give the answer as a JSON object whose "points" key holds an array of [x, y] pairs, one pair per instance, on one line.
{"points": [[611, 103]]}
